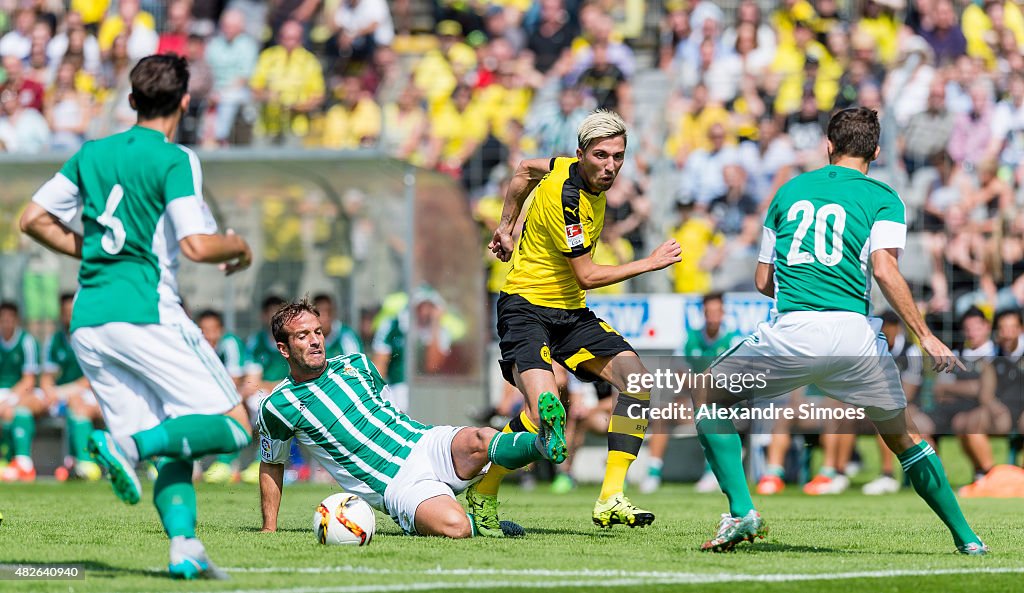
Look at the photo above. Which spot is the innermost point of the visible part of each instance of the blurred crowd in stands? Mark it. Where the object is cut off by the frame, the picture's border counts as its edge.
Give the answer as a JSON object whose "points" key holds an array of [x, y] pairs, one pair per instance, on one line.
{"points": [[726, 101]]}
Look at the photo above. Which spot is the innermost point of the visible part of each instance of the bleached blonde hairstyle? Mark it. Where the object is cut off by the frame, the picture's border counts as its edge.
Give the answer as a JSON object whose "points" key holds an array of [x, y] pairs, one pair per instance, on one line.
{"points": [[599, 125]]}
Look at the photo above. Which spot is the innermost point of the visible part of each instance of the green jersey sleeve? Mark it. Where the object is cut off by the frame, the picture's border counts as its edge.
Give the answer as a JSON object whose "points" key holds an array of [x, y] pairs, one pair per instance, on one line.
{"points": [[275, 433], [60, 195], [889, 228]]}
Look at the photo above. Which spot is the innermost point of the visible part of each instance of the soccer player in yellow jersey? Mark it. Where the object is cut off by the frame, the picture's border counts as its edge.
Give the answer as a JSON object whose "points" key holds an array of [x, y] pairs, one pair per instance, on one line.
{"points": [[542, 312]]}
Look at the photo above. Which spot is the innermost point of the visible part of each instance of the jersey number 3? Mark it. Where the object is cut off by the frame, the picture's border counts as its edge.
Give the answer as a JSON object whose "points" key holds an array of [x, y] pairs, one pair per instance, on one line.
{"points": [[804, 210], [114, 235]]}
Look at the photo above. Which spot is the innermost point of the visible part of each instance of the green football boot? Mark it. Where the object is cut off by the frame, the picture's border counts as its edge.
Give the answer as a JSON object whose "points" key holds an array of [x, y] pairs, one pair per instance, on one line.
{"points": [[551, 428], [484, 509], [121, 471]]}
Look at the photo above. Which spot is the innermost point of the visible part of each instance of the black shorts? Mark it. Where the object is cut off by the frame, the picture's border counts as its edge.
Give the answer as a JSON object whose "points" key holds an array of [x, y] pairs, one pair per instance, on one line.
{"points": [[942, 414], [531, 336]]}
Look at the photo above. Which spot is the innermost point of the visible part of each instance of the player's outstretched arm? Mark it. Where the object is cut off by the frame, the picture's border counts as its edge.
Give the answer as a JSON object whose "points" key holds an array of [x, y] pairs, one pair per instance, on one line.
{"points": [[528, 174], [271, 483], [590, 275], [48, 230], [228, 249], [886, 270]]}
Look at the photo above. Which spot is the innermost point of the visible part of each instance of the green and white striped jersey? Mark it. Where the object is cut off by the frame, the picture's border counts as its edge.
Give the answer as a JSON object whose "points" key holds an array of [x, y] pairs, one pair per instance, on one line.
{"points": [[137, 195], [19, 356], [345, 422], [820, 231]]}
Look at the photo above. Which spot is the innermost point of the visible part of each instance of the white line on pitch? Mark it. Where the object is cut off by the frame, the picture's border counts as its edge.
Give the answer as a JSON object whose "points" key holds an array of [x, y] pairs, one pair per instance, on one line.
{"points": [[624, 578]]}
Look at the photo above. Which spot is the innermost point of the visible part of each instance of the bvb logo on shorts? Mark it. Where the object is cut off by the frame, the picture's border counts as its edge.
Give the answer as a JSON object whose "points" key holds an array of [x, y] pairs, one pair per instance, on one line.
{"points": [[545, 353]]}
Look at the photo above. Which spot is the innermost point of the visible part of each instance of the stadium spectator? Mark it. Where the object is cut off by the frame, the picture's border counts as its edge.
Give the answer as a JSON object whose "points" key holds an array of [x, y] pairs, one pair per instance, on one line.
{"points": [[1008, 129], [74, 40], [232, 56], [944, 34], [673, 30], [288, 84], [878, 19], [691, 133], [457, 128], [695, 233], [754, 57], [19, 406], [18, 41], [200, 85], [553, 126], [499, 23], [359, 26], [117, 114], [354, 120], [553, 36], [601, 32], [137, 26], [174, 39], [909, 358], [29, 92], [958, 409], [957, 262], [439, 71], [627, 211], [22, 129], [1000, 386], [907, 85], [68, 110], [606, 84], [702, 177], [748, 16], [927, 133], [405, 126], [769, 161], [806, 129]]}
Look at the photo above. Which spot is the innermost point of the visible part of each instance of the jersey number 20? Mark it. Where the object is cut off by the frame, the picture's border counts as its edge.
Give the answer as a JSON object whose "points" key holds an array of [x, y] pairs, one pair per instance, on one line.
{"points": [[114, 235], [804, 210]]}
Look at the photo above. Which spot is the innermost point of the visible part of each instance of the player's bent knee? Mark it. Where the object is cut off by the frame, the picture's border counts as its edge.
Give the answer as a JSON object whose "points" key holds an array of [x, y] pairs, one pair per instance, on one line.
{"points": [[450, 522]]}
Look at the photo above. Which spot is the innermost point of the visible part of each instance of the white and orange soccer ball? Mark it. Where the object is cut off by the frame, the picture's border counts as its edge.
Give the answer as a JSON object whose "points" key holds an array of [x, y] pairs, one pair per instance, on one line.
{"points": [[344, 519]]}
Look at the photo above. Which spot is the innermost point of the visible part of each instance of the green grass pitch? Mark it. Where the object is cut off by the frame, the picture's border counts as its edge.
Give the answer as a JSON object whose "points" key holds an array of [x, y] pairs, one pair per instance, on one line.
{"points": [[848, 542]]}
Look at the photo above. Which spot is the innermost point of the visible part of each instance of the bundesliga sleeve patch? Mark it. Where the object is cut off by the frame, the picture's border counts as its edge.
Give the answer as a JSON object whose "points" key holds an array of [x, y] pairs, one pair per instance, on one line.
{"points": [[574, 235]]}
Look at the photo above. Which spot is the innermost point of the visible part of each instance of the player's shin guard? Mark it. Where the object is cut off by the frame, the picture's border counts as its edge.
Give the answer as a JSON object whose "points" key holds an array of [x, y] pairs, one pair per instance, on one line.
{"points": [[175, 497], [491, 481], [513, 450], [192, 436], [23, 430], [724, 452], [625, 436], [923, 467]]}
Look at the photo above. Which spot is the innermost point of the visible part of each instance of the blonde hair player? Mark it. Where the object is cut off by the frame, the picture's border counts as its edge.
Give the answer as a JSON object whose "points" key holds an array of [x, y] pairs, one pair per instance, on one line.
{"points": [[542, 311]]}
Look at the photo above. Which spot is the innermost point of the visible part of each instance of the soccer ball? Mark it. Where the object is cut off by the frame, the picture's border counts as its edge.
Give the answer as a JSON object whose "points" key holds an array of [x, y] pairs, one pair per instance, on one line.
{"points": [[344, 519]]}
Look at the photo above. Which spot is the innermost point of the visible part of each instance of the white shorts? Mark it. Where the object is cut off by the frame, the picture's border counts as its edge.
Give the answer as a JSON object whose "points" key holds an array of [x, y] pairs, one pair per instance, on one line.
{"points": [[842, 353], [429, 471], [143, 374]]}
